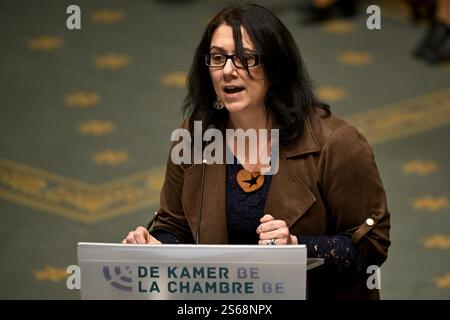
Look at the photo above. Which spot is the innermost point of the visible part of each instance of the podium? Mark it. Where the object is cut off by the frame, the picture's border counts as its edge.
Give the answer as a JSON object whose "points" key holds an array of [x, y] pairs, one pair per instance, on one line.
{"points": [[193, 272]]}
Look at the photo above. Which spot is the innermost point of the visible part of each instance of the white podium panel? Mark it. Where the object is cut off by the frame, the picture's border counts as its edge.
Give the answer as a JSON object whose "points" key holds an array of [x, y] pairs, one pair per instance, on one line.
{"points": [[192, 272]]}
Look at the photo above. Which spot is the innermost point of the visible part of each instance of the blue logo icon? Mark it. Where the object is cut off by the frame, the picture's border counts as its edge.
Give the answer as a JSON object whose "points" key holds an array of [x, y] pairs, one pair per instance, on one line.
{"points": [[118, 278]]}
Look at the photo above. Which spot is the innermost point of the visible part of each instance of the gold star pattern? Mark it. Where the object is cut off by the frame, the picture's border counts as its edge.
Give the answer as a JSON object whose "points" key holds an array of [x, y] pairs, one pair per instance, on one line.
{"points": [[82, 99], [331, 94], [112, 61], [155, 183], [96, 127], [419, 167], [443, 282], [430, 203], [175, 79], [437, 241], [50, 274], [108, 16], [111, 157], [338, 27], [45, 43], [355, 58]]}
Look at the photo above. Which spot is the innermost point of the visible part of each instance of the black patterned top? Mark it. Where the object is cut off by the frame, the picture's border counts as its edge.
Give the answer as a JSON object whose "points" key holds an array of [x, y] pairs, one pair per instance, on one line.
{"points": [[244, 209]]}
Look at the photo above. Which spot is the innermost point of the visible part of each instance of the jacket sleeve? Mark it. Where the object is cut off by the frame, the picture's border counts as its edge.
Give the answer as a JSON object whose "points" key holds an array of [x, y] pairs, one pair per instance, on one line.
{"points": [[355, 195], [171, 218]]}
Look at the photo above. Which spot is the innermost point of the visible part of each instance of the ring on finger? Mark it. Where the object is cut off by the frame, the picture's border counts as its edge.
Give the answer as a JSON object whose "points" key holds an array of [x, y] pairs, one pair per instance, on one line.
{"points": [[271, 242]]}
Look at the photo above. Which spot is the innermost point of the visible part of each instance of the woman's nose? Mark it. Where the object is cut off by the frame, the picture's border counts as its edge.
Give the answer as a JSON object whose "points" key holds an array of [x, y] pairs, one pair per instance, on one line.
{"points": [[229, 68]]}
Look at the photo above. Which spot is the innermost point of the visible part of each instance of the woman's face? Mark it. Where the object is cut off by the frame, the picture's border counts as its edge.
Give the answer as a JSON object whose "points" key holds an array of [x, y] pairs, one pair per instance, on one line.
{"points": [[233, 86]]}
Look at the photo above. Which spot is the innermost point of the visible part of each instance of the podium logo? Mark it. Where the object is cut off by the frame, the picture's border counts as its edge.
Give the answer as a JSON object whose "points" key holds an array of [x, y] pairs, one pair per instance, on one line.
{"points": [[119, 277]]}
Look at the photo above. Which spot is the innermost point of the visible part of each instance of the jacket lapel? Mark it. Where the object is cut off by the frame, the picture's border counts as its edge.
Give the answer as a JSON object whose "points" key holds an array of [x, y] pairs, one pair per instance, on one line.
{"points": [[289, 197], [213, 229]]}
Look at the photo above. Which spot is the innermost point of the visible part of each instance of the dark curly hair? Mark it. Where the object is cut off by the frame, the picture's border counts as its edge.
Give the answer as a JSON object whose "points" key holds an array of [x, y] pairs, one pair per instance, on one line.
{"points": [[290, 98]]}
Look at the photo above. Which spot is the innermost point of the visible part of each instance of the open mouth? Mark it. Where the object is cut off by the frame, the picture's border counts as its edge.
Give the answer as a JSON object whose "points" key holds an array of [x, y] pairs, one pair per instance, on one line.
{"points": [[232, 89]]}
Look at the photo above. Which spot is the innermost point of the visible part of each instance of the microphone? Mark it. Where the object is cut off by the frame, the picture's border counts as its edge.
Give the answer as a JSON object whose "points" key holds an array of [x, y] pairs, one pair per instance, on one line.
{"points": [[202, 189], [200, 206], [152, 221]]}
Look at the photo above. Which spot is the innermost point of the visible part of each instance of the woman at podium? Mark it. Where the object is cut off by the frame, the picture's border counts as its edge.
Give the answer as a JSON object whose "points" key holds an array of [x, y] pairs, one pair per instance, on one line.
{"points": [[321, 185]]}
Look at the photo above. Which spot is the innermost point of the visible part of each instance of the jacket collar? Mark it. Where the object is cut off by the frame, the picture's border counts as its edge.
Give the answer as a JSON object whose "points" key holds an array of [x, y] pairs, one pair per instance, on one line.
{"points": [[307, 143]]}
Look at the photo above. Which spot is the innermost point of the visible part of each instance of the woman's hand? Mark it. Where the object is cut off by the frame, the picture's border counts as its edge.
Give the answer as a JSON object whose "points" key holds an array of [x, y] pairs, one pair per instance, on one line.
{"points": [[140, 236], [274, 232]]}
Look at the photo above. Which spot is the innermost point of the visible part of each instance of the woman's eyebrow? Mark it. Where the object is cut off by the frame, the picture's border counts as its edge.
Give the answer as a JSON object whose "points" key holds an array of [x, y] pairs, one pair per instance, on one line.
{"points": [[223, 50], [218, 48]]}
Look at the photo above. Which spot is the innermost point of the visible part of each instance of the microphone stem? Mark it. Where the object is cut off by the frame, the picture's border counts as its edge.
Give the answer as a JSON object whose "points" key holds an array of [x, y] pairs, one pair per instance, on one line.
{"points": [[200, 207]]}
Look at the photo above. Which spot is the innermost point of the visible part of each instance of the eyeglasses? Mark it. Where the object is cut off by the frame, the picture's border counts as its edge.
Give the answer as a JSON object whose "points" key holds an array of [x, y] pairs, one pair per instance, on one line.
{"points": [[218, 60]]}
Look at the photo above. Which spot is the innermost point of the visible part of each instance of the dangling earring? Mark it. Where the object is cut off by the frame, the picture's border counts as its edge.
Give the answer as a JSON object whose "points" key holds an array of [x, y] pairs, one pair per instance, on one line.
{"points": [[218, 104]]}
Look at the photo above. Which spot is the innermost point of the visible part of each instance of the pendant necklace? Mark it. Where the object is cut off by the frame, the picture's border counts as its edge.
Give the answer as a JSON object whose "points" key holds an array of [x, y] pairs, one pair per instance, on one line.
{"points": [[249, 181]]}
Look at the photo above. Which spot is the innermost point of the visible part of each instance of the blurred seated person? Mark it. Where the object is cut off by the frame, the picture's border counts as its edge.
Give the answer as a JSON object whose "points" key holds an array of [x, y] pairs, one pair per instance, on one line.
{"points": [[422, 10], [434, 48]]}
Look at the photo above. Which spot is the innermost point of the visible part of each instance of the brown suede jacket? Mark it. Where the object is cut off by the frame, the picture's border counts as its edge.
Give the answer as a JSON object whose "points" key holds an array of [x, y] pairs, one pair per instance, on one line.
{"points": [[327, 184]]}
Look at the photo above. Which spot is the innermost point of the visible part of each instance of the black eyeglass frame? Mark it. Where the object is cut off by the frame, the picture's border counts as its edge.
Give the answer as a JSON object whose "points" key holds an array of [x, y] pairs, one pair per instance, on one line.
{"points": [[232, 57]]}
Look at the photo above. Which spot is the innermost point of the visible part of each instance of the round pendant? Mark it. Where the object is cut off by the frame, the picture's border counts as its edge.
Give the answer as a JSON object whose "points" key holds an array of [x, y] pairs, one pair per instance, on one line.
{"points": [[249, 181]]}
